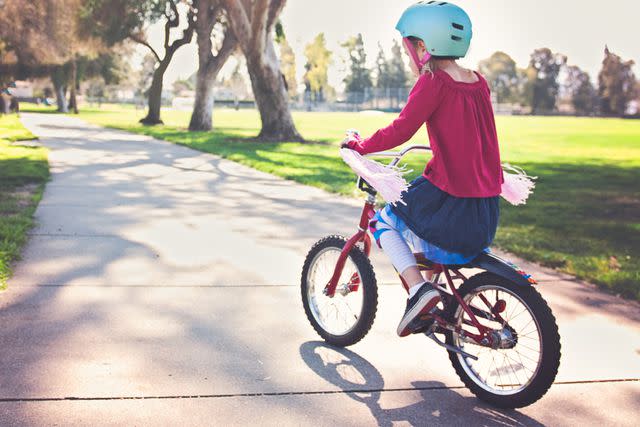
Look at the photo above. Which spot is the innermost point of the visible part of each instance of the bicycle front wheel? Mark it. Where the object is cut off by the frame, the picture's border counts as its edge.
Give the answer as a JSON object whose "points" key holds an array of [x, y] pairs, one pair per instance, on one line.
{"points": [[346, 317]]}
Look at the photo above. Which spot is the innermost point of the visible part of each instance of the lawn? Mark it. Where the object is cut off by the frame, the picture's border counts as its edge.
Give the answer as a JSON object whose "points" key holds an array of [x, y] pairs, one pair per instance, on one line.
{"points": [[23, 172], [584, 217]]}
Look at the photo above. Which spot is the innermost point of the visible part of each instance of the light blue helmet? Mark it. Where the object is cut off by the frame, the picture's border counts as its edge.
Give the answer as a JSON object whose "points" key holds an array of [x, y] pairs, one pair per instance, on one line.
{"points": [[444, 27]]}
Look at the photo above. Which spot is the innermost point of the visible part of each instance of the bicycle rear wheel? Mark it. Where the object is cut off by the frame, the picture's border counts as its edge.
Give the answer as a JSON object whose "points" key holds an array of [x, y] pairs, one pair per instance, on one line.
{"points": [[520, 365], [345, 318]]}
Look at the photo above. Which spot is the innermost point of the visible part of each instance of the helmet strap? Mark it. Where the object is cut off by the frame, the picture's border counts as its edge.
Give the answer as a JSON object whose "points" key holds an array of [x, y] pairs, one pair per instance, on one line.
{"points": [[420, 63]]}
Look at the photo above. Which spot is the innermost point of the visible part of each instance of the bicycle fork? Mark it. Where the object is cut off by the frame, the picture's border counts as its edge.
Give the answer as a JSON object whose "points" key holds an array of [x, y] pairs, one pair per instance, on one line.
{"points": [[360, 236]]}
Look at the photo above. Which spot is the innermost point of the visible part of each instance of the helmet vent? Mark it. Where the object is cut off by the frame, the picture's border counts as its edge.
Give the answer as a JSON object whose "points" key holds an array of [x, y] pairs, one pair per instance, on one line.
{"points": [[456, 38], [442, 4], [457, 26]]}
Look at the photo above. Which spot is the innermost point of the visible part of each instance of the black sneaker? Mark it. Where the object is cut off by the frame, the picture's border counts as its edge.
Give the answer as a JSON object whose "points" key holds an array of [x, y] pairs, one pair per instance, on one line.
{"points": [[423, 302]]}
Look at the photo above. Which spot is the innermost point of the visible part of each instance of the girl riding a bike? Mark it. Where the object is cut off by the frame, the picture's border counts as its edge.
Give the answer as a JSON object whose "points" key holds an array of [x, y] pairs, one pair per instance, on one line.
{"points": [[451, 212]]}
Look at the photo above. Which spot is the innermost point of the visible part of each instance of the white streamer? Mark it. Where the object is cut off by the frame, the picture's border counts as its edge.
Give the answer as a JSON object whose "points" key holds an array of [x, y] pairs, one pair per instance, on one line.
{"points": [[517, 185], [386, 180]]}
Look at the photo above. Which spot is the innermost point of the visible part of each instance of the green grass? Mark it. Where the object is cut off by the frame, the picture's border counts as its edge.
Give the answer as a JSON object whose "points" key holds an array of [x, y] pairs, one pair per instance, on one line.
{"points": [[23, 172], [583, 219]]}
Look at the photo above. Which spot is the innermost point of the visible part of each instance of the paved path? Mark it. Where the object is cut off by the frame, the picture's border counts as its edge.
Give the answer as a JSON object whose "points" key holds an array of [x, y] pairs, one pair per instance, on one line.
{"points": [[160, 287]]}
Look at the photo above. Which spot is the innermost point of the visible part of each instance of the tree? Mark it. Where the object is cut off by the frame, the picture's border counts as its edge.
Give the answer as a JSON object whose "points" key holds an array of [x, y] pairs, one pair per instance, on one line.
{"points": [[145, 75], [576, 87], [65, 14], [107, 68], [252, 22], [501, 74], [209, 12], [27, 45], [316, 78], [46, 37], [359, 77], [616, 84], [113, 21], [397, 69], [287, 62], [60, 80], [523, 91], [543, 71], [383, 73]]}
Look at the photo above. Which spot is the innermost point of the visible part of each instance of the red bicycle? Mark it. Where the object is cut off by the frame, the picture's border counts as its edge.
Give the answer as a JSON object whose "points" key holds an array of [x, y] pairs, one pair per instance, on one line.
{"points": [[501, 335]]}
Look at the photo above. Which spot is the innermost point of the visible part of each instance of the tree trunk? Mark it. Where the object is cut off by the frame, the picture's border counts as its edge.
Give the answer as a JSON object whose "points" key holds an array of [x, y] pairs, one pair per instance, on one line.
{"points": [[209, 65], [73, 102], [201, 118], [61, 98], [4, 104], [271, 96], [155, 95]]}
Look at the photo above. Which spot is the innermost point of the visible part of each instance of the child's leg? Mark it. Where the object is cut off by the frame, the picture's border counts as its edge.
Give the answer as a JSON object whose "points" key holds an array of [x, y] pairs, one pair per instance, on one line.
{"points": [[397, 249], [399, 252], [423, 297], [401, 256]]}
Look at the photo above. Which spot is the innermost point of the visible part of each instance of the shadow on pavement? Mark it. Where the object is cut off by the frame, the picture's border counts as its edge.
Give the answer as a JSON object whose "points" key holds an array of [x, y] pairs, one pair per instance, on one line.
{"points": [[440, 405]]}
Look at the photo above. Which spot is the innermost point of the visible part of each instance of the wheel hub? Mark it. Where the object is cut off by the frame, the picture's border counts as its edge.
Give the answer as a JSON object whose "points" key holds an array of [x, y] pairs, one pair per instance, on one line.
{"points": [[343, 289], [504, 338]]}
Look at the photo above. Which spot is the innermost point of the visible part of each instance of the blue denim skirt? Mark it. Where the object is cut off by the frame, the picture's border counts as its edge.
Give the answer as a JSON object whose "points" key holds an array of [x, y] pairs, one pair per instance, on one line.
{"points": [[462, 227]]}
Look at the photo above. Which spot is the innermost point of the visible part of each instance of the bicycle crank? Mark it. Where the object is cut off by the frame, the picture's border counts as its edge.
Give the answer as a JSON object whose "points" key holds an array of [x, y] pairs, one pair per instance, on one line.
{"points": [[432, 336]]}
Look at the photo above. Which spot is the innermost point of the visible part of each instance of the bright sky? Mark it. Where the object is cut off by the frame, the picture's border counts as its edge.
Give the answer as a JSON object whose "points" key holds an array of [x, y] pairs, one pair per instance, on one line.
{"points": [[579, 29]]}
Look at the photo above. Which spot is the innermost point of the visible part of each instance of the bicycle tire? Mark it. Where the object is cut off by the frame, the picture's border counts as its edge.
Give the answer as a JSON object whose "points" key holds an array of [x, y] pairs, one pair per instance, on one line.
{"points": [[368, 287], [550, 341]]}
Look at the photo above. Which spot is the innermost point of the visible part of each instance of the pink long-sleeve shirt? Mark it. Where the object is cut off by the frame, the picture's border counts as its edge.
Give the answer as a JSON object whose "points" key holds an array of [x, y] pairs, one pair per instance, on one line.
{"points": [[462, 134]]}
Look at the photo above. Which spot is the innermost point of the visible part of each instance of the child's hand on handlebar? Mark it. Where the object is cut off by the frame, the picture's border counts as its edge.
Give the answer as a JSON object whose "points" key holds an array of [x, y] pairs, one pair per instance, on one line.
{"points": [[347, 143], [352, 140]]}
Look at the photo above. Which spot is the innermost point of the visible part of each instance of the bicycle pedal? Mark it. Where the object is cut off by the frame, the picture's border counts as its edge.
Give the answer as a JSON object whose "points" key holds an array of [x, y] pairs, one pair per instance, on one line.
{"points": [[422, 324], [430, 316]]}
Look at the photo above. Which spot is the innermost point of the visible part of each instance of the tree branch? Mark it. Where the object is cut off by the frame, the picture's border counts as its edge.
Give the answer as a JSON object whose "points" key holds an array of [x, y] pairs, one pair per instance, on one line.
{"points": [[229, 45], [216, 10], [175, 19], [259, 23], [275, 8], [240, 23], [167, 33], [138, 39], [208, 13], [187, 34]]}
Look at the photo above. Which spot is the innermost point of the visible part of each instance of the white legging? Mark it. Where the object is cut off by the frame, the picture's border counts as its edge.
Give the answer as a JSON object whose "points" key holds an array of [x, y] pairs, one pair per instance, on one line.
{"points": [[396, 247]]}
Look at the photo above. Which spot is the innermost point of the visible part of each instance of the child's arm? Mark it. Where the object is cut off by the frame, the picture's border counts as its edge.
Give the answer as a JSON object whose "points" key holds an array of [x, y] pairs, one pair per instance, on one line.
{"points": [[423, 101]]}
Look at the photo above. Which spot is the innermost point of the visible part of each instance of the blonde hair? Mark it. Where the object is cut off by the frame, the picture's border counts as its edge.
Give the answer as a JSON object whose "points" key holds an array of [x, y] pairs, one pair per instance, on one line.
{"points": [[429, 67]]}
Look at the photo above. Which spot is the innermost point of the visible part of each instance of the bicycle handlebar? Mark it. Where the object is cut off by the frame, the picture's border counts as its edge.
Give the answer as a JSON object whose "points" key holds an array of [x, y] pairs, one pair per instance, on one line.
{"points": [[399, 154]]}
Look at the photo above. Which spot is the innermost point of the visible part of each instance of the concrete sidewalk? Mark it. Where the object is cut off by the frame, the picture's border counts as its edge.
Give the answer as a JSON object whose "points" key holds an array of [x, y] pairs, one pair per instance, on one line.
{"points": [[160, 287]]}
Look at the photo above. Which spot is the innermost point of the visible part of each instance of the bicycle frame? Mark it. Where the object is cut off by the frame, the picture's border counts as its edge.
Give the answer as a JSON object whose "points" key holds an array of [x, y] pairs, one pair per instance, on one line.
{"points": [[451, 274]]}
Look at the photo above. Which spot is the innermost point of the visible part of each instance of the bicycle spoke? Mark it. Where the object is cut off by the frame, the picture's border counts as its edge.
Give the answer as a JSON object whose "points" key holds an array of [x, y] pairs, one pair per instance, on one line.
{"points": [[528, 348], [515, 375], [522, 363], [524, 310], [524, 366]]}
